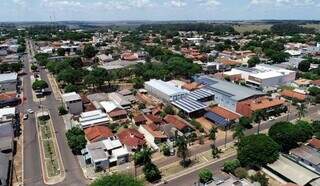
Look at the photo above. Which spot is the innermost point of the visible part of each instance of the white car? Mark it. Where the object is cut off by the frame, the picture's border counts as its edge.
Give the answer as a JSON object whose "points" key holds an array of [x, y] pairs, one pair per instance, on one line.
{"points": [[25, 116], [30, 111]]}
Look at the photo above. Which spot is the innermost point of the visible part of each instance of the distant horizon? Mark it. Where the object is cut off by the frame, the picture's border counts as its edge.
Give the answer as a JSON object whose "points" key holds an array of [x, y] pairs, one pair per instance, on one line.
{"points": [[157, 10]]}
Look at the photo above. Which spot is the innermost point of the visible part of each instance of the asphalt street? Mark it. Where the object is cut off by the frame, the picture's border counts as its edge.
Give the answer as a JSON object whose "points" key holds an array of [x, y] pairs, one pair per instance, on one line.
{"points": [[32, 166]]}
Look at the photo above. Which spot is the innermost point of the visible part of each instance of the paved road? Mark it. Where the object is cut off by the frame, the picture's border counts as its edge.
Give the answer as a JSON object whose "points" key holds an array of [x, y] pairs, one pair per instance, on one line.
{"points": [[32, 166], [190, 178]]}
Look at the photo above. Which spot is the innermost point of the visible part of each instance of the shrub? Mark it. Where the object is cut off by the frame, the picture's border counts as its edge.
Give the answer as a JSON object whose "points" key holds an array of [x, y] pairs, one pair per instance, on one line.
{"points": [[240, 172], [231, 165]]}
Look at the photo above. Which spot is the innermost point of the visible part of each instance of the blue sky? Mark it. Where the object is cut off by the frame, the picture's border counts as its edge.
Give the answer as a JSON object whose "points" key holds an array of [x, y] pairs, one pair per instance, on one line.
{"points": [[110, 10]]}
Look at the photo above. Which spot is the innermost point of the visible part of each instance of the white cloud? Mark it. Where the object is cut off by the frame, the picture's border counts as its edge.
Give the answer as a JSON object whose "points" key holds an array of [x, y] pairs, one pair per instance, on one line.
{"points": [[283, 2], [209, 3], [21, 3], [177, 3]]}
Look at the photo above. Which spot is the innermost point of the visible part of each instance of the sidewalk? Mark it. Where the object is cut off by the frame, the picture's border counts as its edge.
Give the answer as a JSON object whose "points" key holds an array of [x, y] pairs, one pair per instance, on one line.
{"points": [[55, 87]]}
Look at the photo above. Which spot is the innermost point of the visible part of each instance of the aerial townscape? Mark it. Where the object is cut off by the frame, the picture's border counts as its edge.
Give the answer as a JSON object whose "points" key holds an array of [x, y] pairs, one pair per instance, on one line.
{"points": [[199, 93]]}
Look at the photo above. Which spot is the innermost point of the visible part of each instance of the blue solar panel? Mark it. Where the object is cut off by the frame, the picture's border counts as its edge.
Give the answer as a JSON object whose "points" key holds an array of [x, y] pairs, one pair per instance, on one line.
{"points": [[217, 119]]}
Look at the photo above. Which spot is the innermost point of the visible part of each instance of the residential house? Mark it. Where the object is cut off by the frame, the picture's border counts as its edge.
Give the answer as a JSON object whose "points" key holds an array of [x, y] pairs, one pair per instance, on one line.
{"points": [[292, 94], [139, 120], [179, 123], [314, 143], [106, 153], [120, 100], [222, 117], [73, 103], [153, 135], [93, 118], [132, 139], [268, 104], [114, 111], [97, 133], [307, 156]]}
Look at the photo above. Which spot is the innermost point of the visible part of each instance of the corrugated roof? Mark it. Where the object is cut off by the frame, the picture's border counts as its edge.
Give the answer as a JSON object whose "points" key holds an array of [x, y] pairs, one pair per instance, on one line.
{"points": [[225, 113], [72, 96], [8, 77], [165, 87], [236, 92]]}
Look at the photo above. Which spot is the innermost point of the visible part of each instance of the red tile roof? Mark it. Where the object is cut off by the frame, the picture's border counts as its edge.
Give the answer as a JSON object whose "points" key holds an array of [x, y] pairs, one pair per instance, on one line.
{"points": [[176, 121], [293, 94], [225, 113], [131, 138], [264, 103], [315, 143], [98, 133], [117, 112], [153, 129], [316, 82], [140, 119], [153, 118], [6, 96]]}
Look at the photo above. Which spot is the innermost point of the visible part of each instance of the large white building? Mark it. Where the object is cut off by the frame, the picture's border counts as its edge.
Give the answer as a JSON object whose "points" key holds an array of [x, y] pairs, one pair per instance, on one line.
{"points": [[73, 102], [164, 91], [264, 76]]}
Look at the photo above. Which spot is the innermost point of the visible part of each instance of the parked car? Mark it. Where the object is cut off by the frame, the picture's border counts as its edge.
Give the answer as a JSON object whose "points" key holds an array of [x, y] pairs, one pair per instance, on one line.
{"points": [[30, 111], [25, 116]]}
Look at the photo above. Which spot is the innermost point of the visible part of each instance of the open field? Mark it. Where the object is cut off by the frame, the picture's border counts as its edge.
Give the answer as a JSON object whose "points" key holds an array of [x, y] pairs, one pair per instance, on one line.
{"points": [[316, 26], [251, 27]]}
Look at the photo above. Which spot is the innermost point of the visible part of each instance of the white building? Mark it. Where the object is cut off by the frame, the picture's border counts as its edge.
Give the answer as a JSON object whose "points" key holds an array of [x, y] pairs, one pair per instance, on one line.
{"points": [[73, 102], [8, 82], [92, 118], [7, 114], [164, 91], [103, 154], [264, 76]]}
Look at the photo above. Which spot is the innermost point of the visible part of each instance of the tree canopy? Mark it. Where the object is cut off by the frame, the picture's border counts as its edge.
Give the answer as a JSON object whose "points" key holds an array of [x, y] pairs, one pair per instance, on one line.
{"points": [[205, 175], [257, 150], [304, 66], [39, 85], [76, 139], [117, 179]]}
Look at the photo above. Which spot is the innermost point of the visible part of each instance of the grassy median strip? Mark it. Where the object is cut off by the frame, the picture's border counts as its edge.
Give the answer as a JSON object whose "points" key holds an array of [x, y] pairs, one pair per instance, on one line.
{"points": [[50, 154]]}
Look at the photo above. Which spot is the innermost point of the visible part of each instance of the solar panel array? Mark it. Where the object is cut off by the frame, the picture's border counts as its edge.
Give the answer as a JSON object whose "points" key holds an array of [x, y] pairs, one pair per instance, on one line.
{"points": [[189, 105], [219, 120]]}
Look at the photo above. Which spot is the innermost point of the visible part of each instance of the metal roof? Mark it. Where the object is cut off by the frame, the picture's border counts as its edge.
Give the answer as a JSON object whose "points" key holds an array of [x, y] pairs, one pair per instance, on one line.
{"points": [[200, 94], [8, 77], [189, 105], [165, 87], [72, 96], [236, 92]]}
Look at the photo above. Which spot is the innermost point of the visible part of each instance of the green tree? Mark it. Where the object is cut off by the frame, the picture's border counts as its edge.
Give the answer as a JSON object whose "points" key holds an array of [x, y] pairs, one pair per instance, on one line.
{"points": [[62, 110], [253, 61], [61, 52], [205, 175], [238, 132], [39, 85], [117, 179], [230, 165], [142, 157], [314, 91], [304, 66], [89, 51], [245, 122], [305, 130], [71, 88], [34, 67], [261, 178], [301, 107], [285, 134], [258, 116], [183, 151], [241, 172], [68, 75], [257, 150], [76, 139], [169, 110], [212, 134], [151, 172]]}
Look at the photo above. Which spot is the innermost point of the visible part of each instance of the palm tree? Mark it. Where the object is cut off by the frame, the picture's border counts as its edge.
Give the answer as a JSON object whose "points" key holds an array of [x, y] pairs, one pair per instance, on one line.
{"points": [[212, 134], [301, 110], [183, 151], [238, 132], [257, 117]]}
